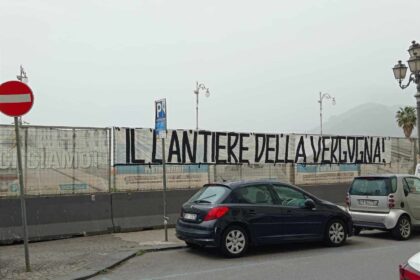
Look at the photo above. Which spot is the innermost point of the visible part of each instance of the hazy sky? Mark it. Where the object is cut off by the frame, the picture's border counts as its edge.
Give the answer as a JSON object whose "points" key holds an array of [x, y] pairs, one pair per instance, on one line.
{"points": [[103, 63]]}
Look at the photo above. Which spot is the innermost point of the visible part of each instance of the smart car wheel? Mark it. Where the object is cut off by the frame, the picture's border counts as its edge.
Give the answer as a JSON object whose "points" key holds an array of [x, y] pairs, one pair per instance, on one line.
{"points": [[335, 234], [234, 242], [402, 231]]}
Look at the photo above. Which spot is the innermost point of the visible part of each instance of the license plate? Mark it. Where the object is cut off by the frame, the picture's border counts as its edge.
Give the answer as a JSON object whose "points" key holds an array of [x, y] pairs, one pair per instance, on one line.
{"points": [[189, 216], [368, 202]]}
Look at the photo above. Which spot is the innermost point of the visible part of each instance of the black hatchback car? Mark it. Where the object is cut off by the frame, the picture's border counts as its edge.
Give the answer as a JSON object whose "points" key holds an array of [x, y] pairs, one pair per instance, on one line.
{"points": [[231, 216]]}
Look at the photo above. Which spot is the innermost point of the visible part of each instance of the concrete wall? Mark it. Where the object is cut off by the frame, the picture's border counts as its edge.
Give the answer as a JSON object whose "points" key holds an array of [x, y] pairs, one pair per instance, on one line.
{"points": [[139, 210], [62, 216], [56, 216]]}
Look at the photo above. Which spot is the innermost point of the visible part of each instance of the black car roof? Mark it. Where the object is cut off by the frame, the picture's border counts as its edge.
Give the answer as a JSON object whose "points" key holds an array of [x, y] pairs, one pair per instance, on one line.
{"points": [[235, 184]]}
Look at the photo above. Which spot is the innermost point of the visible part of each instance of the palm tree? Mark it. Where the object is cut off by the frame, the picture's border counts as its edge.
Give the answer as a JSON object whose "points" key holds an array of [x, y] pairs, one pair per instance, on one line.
{"points": [[406, 118]]}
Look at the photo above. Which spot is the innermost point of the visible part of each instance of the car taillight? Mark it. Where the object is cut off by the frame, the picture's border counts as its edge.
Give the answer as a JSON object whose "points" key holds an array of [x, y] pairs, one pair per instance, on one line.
{"points": [[402, 272], [348, 203], [408, 273], [391, 201], [216, 213]]}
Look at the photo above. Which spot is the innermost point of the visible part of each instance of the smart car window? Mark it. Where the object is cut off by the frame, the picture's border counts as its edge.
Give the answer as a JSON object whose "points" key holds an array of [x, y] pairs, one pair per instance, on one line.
{"points": [[289, 197], [258, 194], [375, 186], [413, 184]]}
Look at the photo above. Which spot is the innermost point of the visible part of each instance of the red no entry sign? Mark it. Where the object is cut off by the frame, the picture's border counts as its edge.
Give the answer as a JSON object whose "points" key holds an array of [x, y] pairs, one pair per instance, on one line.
{"points": [[16, 98]]}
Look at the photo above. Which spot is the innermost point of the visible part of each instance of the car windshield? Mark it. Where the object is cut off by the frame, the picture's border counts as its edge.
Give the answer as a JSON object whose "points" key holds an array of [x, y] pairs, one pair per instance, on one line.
{"points": [[209, 194], [375, 186]]}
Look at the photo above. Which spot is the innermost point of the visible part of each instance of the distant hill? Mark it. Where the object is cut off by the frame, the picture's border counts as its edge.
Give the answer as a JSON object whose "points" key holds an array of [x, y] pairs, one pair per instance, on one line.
{"points": [[367, 119]]}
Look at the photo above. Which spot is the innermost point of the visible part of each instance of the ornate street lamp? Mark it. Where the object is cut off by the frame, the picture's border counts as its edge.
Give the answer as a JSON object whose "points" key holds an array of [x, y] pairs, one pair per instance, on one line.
{"points": [[400, 70], [199, 88], [321, 98]]}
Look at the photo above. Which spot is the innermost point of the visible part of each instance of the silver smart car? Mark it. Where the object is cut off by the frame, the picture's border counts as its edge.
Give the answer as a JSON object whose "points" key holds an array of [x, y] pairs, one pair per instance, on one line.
{"points": [[387, 202]]}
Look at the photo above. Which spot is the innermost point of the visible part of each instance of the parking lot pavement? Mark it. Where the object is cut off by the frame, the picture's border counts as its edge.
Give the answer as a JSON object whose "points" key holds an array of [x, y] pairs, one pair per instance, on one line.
{"points": [[80, 257], [373, 255]]}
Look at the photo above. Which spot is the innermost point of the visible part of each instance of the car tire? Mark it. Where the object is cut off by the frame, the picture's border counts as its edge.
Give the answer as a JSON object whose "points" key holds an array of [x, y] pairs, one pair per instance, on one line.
{"points": [[234, 242], [403, 229], [335, 233], [192, 245], [356, 231]]}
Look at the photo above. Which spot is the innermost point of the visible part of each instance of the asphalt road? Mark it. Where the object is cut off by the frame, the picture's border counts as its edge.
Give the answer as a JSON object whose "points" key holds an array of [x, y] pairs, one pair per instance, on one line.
{"points": [[373, 255]]}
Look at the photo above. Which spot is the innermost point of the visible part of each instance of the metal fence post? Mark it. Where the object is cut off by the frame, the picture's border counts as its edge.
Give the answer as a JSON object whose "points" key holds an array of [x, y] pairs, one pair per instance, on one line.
{"points": [[292, 178], [109, 132], [208, 174], [114, 173], [215, 172], [414, 156], [74, 161]]}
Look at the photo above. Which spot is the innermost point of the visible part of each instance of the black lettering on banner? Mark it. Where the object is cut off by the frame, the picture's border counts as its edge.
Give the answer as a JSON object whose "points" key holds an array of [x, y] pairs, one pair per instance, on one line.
{"points": [[231, 146], [315, 152], [368, 150], [361, 153], [383, 148], [351, 149], [219, 147], [286, 156], [174, 150], [242, 148], [205, 134], [259, 153], [325, 149], [127, 146], [340, 151], [133, 149], [300, 150], [213, 147], [377, 153], [268, 149], [186, 147], [278, 159], [154, 160], [334, 146]]}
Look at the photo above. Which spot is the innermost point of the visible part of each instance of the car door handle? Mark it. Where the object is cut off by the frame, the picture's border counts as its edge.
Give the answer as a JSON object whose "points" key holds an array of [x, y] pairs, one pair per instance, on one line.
{"points": [[252, 212]]}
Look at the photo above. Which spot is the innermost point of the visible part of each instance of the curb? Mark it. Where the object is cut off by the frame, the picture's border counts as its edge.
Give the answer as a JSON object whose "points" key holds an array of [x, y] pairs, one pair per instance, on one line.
{"points": [[117, 263]]}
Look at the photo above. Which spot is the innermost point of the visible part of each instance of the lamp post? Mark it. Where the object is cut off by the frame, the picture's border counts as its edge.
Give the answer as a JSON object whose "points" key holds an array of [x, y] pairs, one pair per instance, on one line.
{"points": [[199, 88], [323, 96], [400, 70], [24, 79]]}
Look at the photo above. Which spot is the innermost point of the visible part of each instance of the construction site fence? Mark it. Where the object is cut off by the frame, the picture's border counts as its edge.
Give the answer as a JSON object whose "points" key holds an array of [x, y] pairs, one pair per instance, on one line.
{"points": [[79, 160]]}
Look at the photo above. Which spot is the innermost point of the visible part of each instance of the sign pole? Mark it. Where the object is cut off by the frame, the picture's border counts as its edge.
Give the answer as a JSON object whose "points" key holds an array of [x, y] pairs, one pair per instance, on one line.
{"points": [[22, 196], [16, 99], [165, 218], [160, 130]]}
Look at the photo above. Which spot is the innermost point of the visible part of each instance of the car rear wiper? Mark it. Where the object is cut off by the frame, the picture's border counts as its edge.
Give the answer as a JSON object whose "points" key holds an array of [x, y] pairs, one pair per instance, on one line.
{"points": [[203, 200]]}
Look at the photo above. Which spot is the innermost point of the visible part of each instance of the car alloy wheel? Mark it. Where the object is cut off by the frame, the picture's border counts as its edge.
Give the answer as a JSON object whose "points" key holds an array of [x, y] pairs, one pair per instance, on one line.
{"points": [[235, 242], [402, 230], [336, 233]]}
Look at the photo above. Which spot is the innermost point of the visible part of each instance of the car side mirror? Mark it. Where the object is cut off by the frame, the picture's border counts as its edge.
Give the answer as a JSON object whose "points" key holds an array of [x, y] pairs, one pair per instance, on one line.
{"points": [[406, 192], [309, 204]]}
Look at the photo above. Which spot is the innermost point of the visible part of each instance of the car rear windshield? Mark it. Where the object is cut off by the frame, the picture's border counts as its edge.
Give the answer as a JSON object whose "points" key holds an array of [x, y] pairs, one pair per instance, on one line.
{"points": [[375, 186], [210, 194]]}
